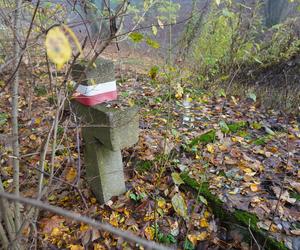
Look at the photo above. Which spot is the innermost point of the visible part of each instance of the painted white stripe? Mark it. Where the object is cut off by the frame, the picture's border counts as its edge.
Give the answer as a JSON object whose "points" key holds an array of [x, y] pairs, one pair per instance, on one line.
{"points": [[97, 89]]}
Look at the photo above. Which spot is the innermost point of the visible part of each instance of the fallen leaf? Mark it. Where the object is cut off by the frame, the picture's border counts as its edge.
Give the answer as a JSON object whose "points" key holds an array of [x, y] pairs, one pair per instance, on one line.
{"points": [[254, 187], [203, 222], [56, 232], [149, 232], [296, 232], [71, 174], [179, 205], [177, 179], [76, 247], [210, 148]]}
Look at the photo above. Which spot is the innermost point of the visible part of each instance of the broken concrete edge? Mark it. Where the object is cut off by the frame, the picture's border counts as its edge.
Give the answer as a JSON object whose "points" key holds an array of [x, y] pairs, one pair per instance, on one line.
{"points": [[238, 217], [102, 71]]}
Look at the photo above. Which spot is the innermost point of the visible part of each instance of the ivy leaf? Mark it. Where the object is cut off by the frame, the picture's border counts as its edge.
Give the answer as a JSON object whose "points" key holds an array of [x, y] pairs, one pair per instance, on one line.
{"points": [[136, 37], [179, 205]]}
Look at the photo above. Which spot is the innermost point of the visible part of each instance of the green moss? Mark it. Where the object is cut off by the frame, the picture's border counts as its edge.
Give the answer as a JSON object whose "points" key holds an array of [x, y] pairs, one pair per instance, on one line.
{"points": [[246, 218], [143, 166], [239, 217]]}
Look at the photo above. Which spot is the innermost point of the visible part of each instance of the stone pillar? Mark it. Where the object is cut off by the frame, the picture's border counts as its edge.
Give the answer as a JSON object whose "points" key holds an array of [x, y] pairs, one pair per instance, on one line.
{"points": [[106, 130]]}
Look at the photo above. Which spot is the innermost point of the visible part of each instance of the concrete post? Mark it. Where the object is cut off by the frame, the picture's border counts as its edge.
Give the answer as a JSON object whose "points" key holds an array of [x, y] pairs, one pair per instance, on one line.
{"points": [[106, 130]]}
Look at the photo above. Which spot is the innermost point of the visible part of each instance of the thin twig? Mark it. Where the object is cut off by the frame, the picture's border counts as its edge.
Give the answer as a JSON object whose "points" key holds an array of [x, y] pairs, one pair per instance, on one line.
{"points": [[250, 231]]}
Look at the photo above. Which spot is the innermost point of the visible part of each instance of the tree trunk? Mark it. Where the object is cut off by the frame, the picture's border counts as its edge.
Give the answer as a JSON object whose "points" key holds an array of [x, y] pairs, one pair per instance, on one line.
{"points": [[15, 129], [274, 10]]}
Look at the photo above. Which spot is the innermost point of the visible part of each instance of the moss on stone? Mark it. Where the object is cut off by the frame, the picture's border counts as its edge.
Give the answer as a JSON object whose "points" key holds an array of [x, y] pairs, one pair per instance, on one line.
{"points": [[239, 217]]}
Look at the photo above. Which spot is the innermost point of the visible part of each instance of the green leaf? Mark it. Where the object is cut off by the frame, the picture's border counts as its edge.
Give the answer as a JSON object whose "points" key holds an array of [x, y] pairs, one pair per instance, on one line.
{"points": [[203, 200], [177, 179], [136, 37], [222, 93], [133, 196], [234, 127], [252, 96], [152, 43], [188, 245], [3, 118], [179, 205], [207, 137], [261, 141], [153, 72], [256, 125], [154, 30], [171, 239], [224, 128]]}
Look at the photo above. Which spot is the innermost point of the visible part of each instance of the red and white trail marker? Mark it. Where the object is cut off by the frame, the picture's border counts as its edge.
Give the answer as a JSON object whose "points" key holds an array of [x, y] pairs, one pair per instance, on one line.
{"points": [[95, 94]]}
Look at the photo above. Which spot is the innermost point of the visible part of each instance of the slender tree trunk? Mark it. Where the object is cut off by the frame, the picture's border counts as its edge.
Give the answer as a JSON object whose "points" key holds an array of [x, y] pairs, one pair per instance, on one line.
{"points": [[15, 129]]}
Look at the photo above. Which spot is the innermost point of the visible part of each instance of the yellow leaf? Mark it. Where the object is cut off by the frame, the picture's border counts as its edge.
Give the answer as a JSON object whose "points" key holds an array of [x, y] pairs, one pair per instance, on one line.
{"points": [[206, 214], [131, 102], [84, 227], [210, 148], [71, 175], [58, 47], [76, 247], [149, 233], [234, 100], [38, 121], [93, 82], [254, 187], [98, 246], [149, 217], [32, 137], [248, 170], [114, 219], [203, 223], [179, 91], [192, 238], [56, 232], [161, 202], [202, 236]]}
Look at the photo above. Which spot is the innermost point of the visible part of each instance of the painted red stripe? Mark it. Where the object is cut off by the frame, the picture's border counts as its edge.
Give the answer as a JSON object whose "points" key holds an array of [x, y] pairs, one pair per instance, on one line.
{"points": [[96, 99]]}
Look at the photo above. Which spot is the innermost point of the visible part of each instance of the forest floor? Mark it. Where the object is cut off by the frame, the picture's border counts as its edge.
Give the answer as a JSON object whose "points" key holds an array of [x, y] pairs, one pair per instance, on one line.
{"points": [[248, 157]]}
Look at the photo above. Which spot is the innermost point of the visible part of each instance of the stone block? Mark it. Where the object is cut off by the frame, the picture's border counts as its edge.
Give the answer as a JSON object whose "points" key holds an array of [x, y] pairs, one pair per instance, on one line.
{"points": [[114, 128], [104, 71]]}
